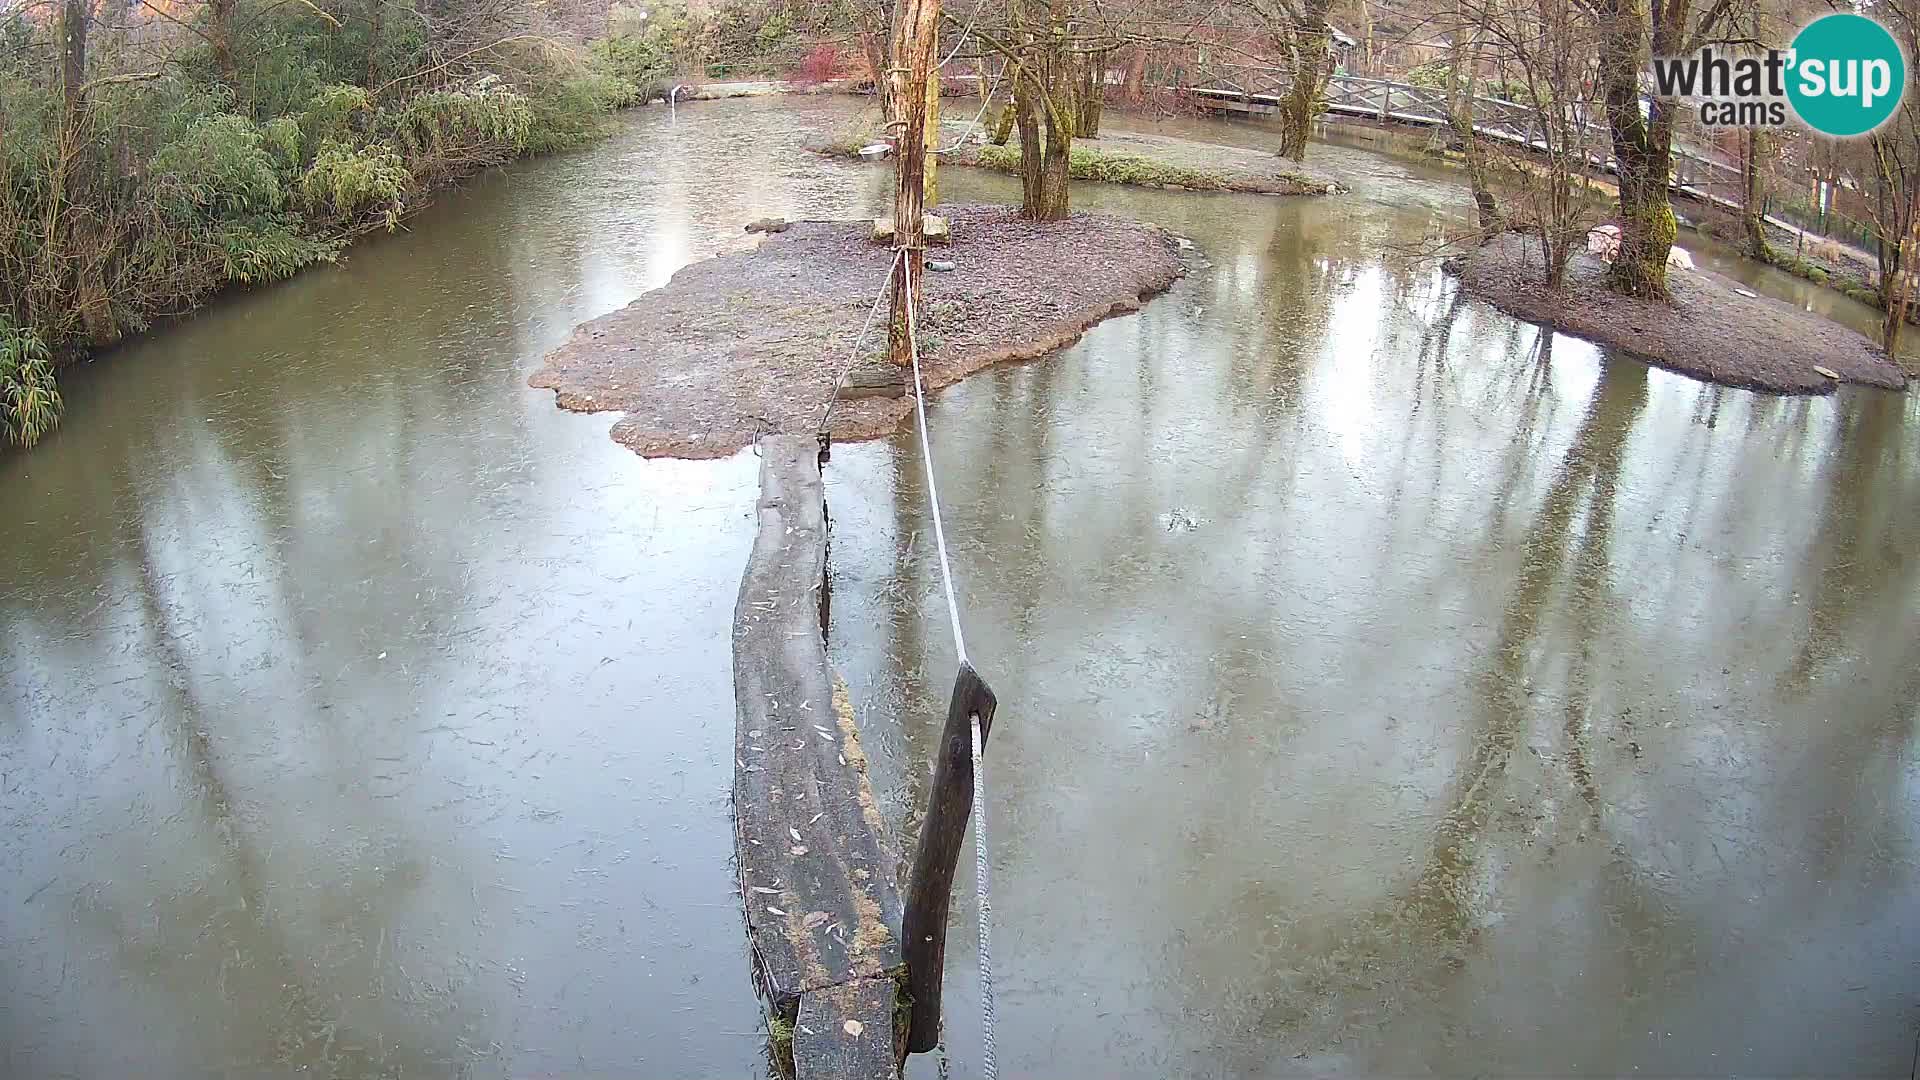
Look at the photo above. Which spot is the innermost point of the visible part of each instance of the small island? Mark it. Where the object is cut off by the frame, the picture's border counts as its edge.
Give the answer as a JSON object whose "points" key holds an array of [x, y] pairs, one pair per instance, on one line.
{"points": [[1713, 329], [756, 342]]}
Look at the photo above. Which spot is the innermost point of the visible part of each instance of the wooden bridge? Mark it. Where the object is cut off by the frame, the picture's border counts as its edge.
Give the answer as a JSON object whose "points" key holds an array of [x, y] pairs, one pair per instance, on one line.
{"points": [[1256, 90]]}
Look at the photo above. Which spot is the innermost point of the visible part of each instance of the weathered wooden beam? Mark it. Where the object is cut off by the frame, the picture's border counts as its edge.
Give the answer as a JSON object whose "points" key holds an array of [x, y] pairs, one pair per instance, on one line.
{"points": [[816, 869], [930, 885], [846, 1032], [916, 37]]}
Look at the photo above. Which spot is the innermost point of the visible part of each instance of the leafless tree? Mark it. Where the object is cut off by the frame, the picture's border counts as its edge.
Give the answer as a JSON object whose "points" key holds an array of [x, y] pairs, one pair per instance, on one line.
{"points": [[1895, 153], [1642, 132]]}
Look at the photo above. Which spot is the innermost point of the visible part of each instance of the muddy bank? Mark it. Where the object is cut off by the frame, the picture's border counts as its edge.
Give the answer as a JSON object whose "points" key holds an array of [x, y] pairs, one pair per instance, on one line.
{"points": [[1710, 331], [752, 343]]}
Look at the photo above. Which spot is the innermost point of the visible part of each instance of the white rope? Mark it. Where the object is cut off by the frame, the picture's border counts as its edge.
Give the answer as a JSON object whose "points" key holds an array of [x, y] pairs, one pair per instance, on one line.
{"points": [[977, 117], [987, 1067], [964, 34], [926, 458], [885, 288]]}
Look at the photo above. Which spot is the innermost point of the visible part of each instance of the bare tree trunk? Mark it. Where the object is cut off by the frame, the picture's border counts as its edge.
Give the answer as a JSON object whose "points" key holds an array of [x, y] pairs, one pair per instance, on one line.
{"points": [[1896, 213], [220, 37], [1896, 292], [376, 20], [1753, 196], [1460, 99], [1642, 150], [1753, 191], [913, 56], [873, 47], [73, 56], [1026, 111], [1136, 89], [1003, 123], [932, 167], [1090, 95], [1055, 165], [1311, 65], [1044, 110], [78, 246], [1366, 38]]}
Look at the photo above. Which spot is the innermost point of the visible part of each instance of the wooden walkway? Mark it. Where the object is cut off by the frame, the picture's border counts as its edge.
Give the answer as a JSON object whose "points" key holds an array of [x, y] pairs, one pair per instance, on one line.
{"points": [[1256, 91], [1697, 171], [817, 872]]}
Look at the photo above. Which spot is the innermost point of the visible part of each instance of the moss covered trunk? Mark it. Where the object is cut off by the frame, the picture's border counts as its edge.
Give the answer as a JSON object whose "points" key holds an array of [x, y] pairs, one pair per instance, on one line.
{"points": [[1460, 95], [1753, 196], [1003, 124], [873, 47], [1647, 227], [1089, 95], [931, 163], [1026, 111], [1898, 273], [1054, 166], [1046, 143], [1896, 220], [1308, 40], [1893, 322], [1043, 101], [1642, 151]]}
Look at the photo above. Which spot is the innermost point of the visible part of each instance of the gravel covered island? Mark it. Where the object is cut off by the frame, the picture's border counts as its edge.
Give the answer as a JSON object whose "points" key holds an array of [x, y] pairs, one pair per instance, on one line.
{"points": [[1713, 330], [753, 343]]}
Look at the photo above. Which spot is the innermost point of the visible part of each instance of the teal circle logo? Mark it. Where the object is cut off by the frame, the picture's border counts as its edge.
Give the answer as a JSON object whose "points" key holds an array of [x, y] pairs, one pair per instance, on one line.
{"points": [[1847, 75]]}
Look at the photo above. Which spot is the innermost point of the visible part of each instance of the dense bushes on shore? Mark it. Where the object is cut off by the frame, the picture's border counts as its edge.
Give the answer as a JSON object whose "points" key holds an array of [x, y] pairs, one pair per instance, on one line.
{"points": [[155, 152], [240, 145]]}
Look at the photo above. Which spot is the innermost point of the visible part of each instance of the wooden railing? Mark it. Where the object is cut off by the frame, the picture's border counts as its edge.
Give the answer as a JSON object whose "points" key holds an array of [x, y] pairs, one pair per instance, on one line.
{"points": [[1258, 89]]}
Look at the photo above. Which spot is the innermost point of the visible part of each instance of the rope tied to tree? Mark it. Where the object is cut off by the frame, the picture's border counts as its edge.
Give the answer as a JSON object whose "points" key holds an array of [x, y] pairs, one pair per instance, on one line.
{"points": [[982, 893], [853, 357]]}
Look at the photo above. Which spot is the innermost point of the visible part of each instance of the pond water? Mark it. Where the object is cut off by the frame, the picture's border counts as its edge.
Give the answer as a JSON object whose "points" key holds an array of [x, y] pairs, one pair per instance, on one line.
{"points": [[1386, 685]]}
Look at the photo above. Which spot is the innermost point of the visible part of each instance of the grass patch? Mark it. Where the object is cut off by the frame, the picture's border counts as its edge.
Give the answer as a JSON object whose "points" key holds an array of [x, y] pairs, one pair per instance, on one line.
{"points": [[1861, 294], [1798, 266], [1087, 163], [780, 1043]]}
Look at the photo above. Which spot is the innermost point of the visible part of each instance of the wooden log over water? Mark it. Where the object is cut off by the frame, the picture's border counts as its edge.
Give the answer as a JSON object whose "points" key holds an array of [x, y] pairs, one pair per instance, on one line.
{"points": [[846, 1032], [816, 870]]}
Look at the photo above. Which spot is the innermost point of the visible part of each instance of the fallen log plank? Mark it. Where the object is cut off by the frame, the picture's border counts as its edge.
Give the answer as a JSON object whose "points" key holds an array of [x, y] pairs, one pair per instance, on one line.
{"points": [[817, 873]]}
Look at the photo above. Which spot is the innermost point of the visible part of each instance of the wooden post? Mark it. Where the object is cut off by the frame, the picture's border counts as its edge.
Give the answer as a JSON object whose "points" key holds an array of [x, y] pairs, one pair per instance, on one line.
{"points": [[913, 66], [930, 888]]}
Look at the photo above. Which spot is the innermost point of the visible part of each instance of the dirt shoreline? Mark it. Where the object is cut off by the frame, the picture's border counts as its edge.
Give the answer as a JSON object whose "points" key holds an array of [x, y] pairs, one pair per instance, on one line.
{"points": [[753, 343], [1710, 331]]}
